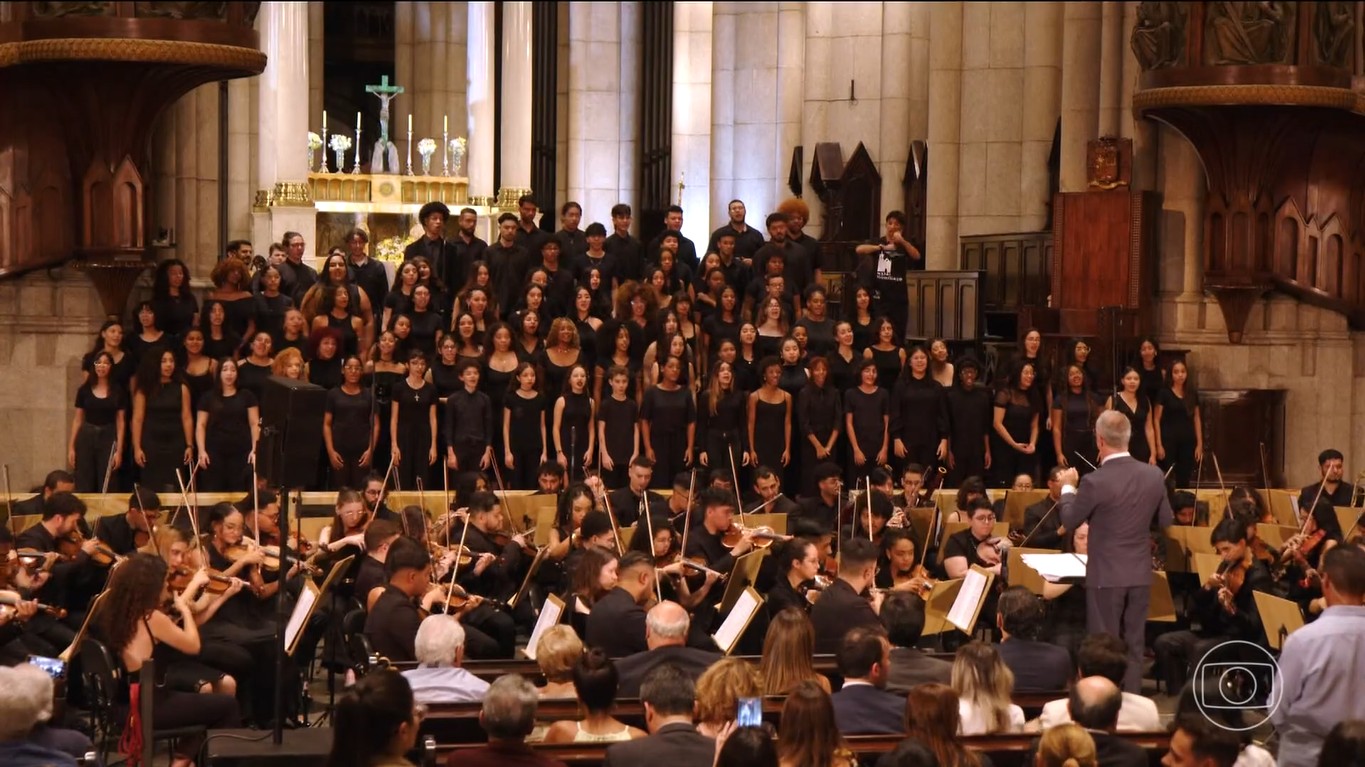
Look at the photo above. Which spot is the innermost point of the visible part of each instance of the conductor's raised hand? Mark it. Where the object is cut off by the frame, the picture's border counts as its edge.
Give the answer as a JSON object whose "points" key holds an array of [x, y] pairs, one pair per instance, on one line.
{"points": [[1069, 476]]}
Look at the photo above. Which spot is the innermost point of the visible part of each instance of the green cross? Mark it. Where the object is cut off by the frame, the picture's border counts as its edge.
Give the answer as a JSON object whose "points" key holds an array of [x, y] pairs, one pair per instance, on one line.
{"points": [[386, 93]]}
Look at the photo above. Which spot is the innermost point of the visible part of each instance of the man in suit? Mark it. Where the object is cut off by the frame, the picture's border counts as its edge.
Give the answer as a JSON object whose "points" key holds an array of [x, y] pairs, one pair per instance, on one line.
{"points": [[666, 629], [432, 244], [617, 622], [903, 617], [669, 696], [842, 607], [1037, 666], [1105, 655], [863, 706], [1121, 502], [508, 716]]}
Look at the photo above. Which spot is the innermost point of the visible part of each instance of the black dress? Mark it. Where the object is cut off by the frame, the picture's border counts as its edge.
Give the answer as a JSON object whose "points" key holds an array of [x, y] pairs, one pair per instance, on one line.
{"points": [[163, 438], [819, 336], [325, 373], [414, 436], [919, 418], [1177, 434], [668, 413], [970, 414], [1137, 444], [425, 326], [96, 437], [1079, 412], [819, 413], [556, 375], [221, 348], [351, 424], [1152, 382], [868, 411], [239, 314], [526, 446], [495, 384], [175, 314], [1006, 462], [350, 342], [251, 377], [618, 419], [574, 424], [383, 384], [725, 433], [270, 311], [888, 362], [770, 433], [864, 336], [227, 438], [794, 378], [717, 330], [199, 385], [767, 346], [842, 372]]}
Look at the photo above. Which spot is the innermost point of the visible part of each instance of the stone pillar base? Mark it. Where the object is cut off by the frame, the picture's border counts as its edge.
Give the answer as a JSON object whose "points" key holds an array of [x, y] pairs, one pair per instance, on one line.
{"points": [[269, 225], [507, 196]]}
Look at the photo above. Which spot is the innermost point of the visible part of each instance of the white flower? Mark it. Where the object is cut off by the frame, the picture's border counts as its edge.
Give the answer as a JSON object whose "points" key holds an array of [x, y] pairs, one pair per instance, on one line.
{"points": [[314, 141], [426, 147], [457, 145], [340, 142]]}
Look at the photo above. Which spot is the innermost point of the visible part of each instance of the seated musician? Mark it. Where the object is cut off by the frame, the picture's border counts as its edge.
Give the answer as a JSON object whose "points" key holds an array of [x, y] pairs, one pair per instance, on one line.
{"points": [[626, 502], [666, 548], [823, 507], [705, 541], [1184, 508], [375, 496], [56, 481], [679, 503], [495, 573], [550, 478], [842, 606], [798, 562], [897, 569], [120, 533], [1302, 555], [768, 497], [370, 578], [1023, 483], [1047, 535], [617, 621], [971, 489], [973, 546], [392, 623], [1224, 606], [62, 515], [912, 481], [870, 519], [438, 677], [1338, 492]]}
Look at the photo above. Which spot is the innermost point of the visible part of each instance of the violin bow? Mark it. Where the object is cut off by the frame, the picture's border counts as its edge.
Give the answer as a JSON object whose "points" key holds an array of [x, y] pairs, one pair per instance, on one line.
{"points": [[185, 498], [734, 473], [109, 467], [611, 516], [649, 524], [1046, 514], [383, 488], [1221, 487], [146, 520], [256, 500], [687, 520], [9, 504], [421, 503], [1265, 467], [1309, 515], [867, 502], [455, 570]]}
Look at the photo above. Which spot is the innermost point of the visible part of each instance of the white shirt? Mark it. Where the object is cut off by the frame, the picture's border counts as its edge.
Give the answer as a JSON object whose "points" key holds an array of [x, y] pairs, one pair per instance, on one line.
{"points": [[1125, 454], [445, 684], [1137, 714], [974, 721]]}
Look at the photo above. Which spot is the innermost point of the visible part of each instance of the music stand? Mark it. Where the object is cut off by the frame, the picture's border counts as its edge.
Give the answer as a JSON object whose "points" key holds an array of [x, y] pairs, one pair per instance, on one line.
{"points": [[742, 576], [1279, 617], [1161, 604]]}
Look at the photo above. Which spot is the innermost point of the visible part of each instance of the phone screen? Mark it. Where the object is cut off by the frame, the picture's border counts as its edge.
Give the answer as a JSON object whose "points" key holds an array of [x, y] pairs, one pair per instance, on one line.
{"points": [[55, 667], [750, 712]]}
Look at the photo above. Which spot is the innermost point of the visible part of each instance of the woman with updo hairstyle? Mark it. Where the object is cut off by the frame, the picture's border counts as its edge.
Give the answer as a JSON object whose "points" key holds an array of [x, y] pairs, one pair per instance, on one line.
{"points": [[557, 652], [809, 736], [1066, 745], [595, 681], [132, 627], [376, 723], [177, 310], [932, 718], [719, 690]]}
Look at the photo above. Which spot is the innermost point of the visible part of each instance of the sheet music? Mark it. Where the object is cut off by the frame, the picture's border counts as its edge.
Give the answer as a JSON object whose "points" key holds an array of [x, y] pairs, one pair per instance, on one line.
{"points": [[299, 618], [968, 598], [549, 616], [730, 630], [1057, 567]]}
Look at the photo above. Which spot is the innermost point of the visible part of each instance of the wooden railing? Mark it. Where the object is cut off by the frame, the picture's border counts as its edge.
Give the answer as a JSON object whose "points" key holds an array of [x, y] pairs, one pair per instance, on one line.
{"points": [[944, 305]]}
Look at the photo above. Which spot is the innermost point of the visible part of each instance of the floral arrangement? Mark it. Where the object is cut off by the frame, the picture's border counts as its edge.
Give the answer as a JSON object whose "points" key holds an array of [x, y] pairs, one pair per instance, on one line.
{"points": [[340, 142], [426, 147], [390, 249], [314, 141]]}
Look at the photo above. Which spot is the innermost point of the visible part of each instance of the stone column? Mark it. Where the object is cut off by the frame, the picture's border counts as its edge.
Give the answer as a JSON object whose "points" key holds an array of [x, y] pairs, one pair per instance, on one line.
{"points": [[1042, 101], [724, 116], [516, 101], [316, 50], [1080, 88], [628, 108], [897, 83], [945, 123], [693, 56], [791, 69], [481, 96], [815, 91], [595, 34], [283, 202], [1142, 132], [429, 62], [1112, 50], [404, 74], [242, 141]]}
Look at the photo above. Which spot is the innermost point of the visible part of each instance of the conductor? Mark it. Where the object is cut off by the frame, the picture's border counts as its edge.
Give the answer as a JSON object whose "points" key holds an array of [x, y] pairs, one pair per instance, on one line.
{"points": [[1120, 501]]}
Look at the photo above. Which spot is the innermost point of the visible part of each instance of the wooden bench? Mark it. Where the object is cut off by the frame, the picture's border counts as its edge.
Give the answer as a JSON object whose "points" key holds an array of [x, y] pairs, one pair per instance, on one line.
{"points": [[459, 722], [489, 670], [1006, 750]]}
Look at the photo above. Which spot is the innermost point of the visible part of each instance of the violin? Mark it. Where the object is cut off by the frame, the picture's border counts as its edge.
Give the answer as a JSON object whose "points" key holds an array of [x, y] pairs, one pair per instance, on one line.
{"points": [[35, 561], [924, 497], [178, 579], [990, 550], [762, 537], [463, 555], [501, 539], [272, 557], [14, 599], [456, 600]]}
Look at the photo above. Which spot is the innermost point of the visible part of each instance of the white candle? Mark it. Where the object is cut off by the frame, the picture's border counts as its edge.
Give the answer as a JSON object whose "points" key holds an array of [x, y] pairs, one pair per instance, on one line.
{"points": [[445, 124], [357, 120], [409, 124], [324, 121]]}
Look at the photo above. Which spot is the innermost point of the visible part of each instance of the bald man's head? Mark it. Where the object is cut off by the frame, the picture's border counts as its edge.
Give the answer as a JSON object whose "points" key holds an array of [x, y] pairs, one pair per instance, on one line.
{"points": [[1095, 703], [666, 625]]}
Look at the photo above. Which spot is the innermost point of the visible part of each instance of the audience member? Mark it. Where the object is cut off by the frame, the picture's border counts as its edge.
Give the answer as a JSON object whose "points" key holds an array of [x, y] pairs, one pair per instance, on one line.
{"points": [[27, 700], [617, 621], [909, 753], [438, 677], [557, 652], [508, 716], [903, 617], [984, 685], [1198, 742], [810, 734], [375, 723], [862, 705], [719, 690], [669, 696], [1037, 666], [788, 654], [746, 747], [933, 717], [1094, 704], [666, 628], [1067, 745], [1105, 655], [595, 681], [1344, 746]]}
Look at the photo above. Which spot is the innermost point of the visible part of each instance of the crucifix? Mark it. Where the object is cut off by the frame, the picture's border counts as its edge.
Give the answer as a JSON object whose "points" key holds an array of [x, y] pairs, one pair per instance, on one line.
{"points": [[384, 159]]}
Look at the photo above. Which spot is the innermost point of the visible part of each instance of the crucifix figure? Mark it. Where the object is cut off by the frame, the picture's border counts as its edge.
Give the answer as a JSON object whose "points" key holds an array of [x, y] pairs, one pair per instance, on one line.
{"points": [[384, 159]]}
